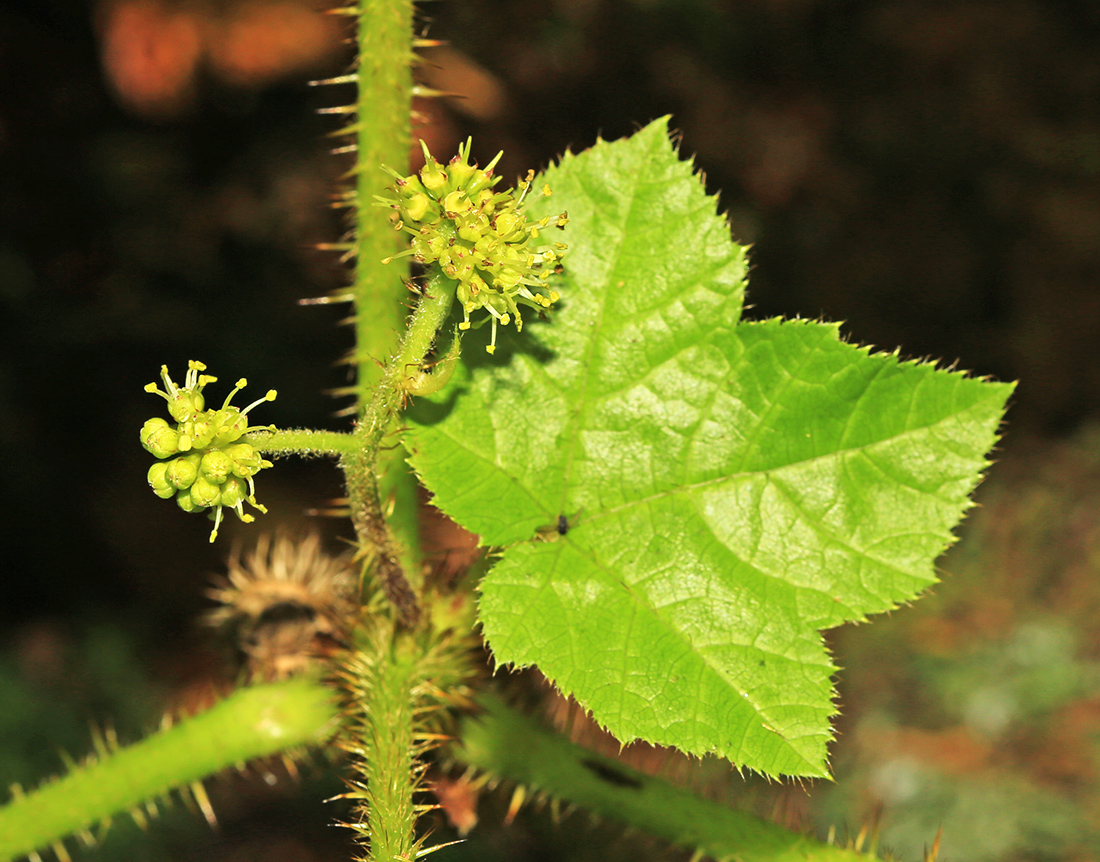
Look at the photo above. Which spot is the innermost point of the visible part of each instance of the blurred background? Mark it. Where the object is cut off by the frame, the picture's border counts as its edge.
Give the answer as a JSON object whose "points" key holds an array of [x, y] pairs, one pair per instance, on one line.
{"points": [[927, 172]]}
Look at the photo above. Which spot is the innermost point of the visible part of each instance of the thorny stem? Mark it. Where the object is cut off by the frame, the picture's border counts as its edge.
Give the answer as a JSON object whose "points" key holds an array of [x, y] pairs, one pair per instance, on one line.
{"points": [[503, 743], [382, 744], [390, 673], [381, 490], [253, 722], [382, 133]]}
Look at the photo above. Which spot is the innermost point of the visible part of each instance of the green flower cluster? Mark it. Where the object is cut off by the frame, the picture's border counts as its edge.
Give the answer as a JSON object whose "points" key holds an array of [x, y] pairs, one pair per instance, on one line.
{"points": [[479, 237], [210, 467]]}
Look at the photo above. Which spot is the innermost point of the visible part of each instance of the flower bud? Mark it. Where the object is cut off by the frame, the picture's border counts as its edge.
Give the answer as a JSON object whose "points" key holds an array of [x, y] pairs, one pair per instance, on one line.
{"points": [[200, 431], [230, 424], [159, 482], [204, 493], [234, 492], [181, 472], [504, 224], [459, 172], [159, 439], [185, 405], [431, 174], [246, 462], [456, 202], [216, 466], [418, 206], [183, 500]]}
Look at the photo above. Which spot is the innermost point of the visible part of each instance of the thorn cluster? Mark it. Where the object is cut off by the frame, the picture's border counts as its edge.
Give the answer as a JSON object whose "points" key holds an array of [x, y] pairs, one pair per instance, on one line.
{"points": [[212, 467], [480, 238]]}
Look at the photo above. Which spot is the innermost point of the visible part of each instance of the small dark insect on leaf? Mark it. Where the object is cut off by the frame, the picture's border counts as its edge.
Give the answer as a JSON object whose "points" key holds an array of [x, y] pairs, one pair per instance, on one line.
{"points": [[557, 528]]}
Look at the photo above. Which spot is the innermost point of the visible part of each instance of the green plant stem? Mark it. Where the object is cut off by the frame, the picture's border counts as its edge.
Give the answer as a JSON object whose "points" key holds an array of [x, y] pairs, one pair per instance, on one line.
{"points": [[360, 465], [301, 441], [506, 744], [383, 110], [252, 722], [381, 489], [383, 676], [382, 132]]}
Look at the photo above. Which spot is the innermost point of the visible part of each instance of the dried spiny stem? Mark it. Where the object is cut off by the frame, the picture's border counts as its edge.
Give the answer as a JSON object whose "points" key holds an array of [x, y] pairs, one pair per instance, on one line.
{"points": [[288, 602]]}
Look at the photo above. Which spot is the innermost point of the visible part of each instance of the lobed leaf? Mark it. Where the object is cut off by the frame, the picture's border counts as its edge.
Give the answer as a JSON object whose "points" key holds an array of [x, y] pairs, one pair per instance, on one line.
{"points": [[729, 489]]}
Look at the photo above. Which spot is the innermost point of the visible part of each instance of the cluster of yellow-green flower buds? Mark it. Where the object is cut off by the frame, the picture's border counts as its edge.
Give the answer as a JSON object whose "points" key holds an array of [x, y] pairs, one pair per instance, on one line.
{"points": [[479, 237], [209, 467]]}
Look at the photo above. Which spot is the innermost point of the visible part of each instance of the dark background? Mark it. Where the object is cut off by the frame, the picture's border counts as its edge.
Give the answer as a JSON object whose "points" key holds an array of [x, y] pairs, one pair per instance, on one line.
{"points": [[925, 172]]}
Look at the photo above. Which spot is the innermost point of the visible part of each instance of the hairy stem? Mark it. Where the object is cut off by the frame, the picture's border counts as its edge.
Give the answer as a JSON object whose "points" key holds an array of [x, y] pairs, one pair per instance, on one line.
{"points": [[383, 745], [360, 465], [253, 722], [399, 680], [382, 136], [380, 484], [382, 674], [301, 441], [508, 745]]}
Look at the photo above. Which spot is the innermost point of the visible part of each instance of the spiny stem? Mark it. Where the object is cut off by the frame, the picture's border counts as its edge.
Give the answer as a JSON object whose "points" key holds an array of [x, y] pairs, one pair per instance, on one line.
{"points": [[383, 131], [383, 109], [383, 734], [508, 745], [382, 494], [253, 722], [399, 679]]}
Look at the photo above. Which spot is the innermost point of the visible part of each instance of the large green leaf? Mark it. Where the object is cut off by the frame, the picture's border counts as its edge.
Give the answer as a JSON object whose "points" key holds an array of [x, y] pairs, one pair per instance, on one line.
{"points": [[729, 489]]}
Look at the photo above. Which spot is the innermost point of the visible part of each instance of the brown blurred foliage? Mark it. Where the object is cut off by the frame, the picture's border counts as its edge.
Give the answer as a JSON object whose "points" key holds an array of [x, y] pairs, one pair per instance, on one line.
{"points": [[979, 708], [153, 50]]}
